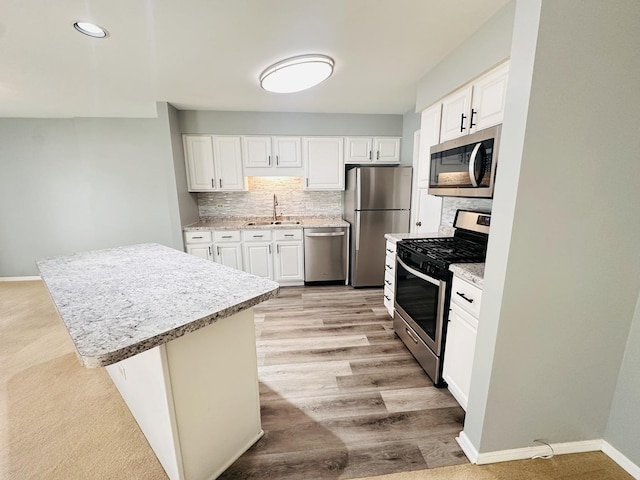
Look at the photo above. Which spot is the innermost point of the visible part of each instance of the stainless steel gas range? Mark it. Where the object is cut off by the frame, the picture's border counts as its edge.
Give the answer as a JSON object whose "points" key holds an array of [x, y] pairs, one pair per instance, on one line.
{"points": [[423, 287]]}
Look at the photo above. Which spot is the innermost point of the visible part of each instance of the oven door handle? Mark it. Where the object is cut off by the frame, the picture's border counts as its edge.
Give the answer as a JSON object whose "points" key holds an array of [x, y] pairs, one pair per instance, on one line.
{"points": [[417, 273]]}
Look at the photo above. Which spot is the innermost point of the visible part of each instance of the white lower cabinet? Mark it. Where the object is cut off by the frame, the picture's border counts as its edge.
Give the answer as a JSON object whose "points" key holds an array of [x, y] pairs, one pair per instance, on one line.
{"points": [[461, 338], [199, 243], [227, 248], [389, 276], [289, 259], [257, 252]]}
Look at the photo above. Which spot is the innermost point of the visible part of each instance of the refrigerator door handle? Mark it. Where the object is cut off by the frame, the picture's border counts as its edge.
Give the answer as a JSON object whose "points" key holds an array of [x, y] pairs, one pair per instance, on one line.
{"points": [[357, 231], [358, 202]]}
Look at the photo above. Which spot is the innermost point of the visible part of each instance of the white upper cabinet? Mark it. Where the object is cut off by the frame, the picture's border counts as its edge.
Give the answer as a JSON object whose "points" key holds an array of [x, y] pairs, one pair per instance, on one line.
{"points": [[198, 152], [268, 152], [213, 163], [429, 136], [362, 150], [475, 106], [227, 155], [489, 95], [323, 161]]}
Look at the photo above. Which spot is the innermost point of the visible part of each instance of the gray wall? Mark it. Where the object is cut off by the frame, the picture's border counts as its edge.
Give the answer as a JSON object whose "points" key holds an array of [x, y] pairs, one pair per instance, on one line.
{"points": [[270, 123], [187, 201], [410, 123], [563, 265], [485, 49], [68, 185]]}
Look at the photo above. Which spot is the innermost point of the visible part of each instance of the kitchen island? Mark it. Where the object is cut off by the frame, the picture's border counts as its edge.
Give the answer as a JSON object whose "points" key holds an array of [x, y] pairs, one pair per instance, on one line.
{"points": [[176, 336]]}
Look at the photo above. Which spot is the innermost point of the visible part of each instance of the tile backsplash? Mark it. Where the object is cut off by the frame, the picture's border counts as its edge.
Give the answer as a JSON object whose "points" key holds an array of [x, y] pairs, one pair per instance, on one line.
{"points": [[257, 201], [451, 204]]}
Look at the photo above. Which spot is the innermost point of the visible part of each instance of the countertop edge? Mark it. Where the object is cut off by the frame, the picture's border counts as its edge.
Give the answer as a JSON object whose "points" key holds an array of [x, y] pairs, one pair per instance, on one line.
{"points": [[109, 358], [471, 272]]}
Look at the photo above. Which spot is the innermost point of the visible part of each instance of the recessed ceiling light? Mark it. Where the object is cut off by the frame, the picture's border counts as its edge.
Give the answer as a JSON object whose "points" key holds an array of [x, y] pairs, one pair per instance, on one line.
{"points": [[296, 73], [91, 29]]}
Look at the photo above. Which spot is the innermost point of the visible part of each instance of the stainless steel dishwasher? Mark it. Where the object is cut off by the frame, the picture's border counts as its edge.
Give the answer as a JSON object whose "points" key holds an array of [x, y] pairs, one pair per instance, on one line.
{"points": [[325, 254]]}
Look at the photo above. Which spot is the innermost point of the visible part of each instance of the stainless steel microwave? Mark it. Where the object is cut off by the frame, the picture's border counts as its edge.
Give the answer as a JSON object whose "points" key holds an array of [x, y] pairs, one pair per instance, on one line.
{"points": [[465, 166]]}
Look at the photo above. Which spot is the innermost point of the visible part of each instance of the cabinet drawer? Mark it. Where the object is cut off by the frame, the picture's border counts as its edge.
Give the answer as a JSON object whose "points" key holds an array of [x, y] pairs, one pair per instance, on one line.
{"points": [[256, 235], [294, 234], [390, 248], [197, 237], [390, 264], [388, 300], [222, 236], [389, 280], [466, 295]]}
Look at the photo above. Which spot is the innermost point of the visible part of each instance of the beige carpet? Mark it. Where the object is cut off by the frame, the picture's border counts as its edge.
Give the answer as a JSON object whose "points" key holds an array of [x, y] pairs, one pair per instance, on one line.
{"points": [[60, 421]]}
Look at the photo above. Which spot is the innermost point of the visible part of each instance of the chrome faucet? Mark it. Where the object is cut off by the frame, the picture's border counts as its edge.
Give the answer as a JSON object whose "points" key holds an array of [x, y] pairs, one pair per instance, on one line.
{"points": [[275, 204]]}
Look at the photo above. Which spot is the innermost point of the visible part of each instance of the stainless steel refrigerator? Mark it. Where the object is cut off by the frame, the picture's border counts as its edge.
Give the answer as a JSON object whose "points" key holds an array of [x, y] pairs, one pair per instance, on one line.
{"points": [[377, 201]]}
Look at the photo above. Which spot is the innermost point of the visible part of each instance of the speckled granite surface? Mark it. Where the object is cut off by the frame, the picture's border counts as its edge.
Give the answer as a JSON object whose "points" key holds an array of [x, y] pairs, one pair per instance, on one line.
{"points": [[444, 231], [240, 223], [471, 272], [119, 302]]}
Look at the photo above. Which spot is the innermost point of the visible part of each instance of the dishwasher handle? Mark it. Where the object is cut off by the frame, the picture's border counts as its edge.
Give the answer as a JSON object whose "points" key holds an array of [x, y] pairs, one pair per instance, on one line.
{"points": [[328, 234]]}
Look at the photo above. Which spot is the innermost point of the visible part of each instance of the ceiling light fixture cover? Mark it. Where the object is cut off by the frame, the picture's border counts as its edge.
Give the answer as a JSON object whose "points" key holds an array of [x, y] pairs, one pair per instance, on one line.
{"points": [[91, 29], [296, 73]]}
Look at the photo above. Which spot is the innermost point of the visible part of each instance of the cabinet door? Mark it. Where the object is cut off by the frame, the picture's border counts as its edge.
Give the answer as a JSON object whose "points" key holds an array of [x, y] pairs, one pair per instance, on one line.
{"points": [[258, 259], [429, 136], [489, 96], [427, 211], [229, 254], [257, 151], [387, 150], [228, 163], [289, 264], [455, 114], [358, 150], [458, 358], [287, 151], [198, 154], [323, 160], [202, 251]]}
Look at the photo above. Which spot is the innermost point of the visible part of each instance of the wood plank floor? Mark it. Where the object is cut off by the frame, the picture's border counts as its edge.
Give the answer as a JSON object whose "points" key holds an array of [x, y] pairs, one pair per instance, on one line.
{"points": [[341, 397]]}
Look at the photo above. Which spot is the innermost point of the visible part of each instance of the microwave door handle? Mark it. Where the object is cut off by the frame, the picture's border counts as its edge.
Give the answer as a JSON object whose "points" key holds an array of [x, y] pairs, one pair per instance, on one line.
{"points": [[472, 164]]}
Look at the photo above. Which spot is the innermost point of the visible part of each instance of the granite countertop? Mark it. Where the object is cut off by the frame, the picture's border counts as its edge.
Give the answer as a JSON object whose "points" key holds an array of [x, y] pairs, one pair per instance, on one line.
{"points": [[471, 272], [119, 302], [241, 223]]}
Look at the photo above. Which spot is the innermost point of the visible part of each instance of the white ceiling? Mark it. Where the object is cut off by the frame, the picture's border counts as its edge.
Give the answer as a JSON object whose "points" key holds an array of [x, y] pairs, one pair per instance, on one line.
{"points": [[207, 54]]}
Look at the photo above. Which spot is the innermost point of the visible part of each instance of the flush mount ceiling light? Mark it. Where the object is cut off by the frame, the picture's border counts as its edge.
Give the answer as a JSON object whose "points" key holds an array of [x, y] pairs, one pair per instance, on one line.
{"points": [[296, 73], [91, 29]]}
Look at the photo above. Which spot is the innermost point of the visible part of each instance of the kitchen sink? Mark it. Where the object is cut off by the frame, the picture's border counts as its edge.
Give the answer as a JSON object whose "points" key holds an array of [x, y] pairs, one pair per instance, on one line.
{"points": [[277, 222]]}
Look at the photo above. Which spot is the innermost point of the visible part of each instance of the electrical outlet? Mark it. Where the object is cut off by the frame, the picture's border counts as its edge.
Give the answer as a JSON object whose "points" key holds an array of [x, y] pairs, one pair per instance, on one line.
{"points": [[309, 205], [219, 205]]}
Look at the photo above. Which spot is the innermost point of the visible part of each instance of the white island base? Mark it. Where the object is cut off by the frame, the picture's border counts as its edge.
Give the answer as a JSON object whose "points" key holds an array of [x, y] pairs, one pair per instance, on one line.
{"points": [[196, 397]]}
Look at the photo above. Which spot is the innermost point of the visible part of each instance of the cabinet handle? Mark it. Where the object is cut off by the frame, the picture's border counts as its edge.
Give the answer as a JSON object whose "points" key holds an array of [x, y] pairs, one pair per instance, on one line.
{"points": [[196, 237], [226, 236], [288, 234], [411, 335], [269, 160], [471, 124], [258, 236], [277, 159], [418, 224], [388, 266], [378, 155], [462, 117], [269, 249], [387, 297], [369, 154], [220, 183], [278, 248], [209, 250], [307, 180], [470, 300], [213, 185], [387, 282], [389, 250], [218, 250]]}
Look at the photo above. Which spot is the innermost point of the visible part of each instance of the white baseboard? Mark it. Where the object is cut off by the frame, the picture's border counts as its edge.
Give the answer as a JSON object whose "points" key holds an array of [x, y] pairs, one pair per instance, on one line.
{"points": [[19, 279], [615, 455], [558, 449]]}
